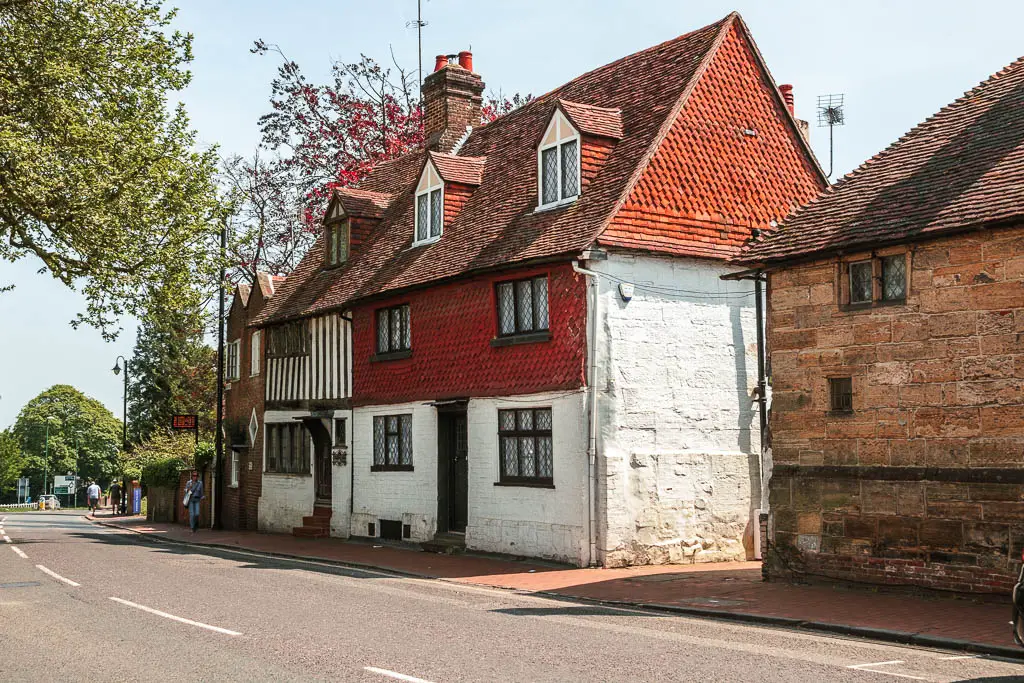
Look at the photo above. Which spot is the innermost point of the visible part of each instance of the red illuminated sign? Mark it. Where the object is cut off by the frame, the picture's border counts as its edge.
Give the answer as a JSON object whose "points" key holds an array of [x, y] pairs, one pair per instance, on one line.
{"points": [[185, 422]]}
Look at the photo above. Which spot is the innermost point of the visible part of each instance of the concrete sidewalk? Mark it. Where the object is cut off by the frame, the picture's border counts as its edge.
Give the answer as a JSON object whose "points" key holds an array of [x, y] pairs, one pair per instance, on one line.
{"points": [[725, 591]]}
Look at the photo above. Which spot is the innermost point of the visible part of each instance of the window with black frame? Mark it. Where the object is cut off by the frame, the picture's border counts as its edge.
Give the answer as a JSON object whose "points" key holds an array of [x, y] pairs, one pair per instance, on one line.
{"points": [[287, 445], [393, 330], [392, 443], [524, 437], [523, 306], [890, 274]]}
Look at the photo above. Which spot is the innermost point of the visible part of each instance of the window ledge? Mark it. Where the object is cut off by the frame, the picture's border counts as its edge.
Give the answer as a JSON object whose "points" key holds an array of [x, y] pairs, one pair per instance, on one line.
{"points": [[540, 484], [393, 355], [839, 413], [867, 306], [426, 242], [525, 338], [288, 474], [391, 468], [555, 205]]}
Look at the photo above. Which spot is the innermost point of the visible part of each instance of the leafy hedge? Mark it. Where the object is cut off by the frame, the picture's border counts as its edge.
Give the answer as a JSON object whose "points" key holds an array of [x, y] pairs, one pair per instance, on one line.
{"points": [[163, 473], [204, 454]]}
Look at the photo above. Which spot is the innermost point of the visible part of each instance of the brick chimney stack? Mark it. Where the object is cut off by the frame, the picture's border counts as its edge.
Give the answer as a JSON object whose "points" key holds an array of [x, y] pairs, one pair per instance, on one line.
{"points": [[452, 100], [787, 94]]}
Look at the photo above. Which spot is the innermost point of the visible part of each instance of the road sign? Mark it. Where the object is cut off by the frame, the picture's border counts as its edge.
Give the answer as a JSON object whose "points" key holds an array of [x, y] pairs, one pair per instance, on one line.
{"points": [[65, 482], [23, 492], [61, 490]]}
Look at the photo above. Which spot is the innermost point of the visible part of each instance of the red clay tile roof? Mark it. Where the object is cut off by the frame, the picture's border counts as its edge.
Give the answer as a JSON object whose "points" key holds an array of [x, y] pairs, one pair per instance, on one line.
{"points": [[363, 203], [732, 160], [456, 169], [961, 168], [498, 225], [591, 120]]}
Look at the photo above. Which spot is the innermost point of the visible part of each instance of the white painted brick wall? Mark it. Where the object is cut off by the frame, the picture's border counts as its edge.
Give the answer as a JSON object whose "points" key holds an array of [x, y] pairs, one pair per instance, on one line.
{"points": [[287, 498], [678, 427], [536, 522], [409, 496]]}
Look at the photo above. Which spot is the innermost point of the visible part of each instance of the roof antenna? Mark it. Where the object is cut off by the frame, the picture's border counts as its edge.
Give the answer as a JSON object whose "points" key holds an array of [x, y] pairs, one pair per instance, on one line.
{"points": [[830, 113], [419, 24]]}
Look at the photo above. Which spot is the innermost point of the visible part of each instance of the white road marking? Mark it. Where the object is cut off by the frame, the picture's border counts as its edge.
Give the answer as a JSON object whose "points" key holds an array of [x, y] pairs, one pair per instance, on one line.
{"points": [[18, 550], [947, 659], [56, 575], [183, 620], [864, 667], [394, 674], [7, 539]]}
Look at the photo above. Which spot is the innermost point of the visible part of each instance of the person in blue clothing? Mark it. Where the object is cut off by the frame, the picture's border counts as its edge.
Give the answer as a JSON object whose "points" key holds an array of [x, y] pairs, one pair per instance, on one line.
{"points": [[193, 496]]}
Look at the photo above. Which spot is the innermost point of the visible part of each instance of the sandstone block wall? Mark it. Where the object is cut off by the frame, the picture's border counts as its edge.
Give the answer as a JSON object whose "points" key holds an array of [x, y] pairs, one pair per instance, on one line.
{"points": [[923, 482]]}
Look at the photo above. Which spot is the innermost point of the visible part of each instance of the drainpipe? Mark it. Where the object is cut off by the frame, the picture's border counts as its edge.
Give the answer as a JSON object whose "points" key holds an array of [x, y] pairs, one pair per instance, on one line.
{"points": [[762, 405], [592, 408]]}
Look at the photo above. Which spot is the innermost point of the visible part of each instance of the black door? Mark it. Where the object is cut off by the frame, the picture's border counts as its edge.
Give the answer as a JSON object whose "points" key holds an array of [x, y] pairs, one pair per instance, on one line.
{"points": [[453, 471]]}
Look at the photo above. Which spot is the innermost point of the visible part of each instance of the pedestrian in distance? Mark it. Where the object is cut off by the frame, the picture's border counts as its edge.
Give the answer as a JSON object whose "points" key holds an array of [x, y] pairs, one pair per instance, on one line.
{"points": [[194, 494], [93, 494], [115, 497]]}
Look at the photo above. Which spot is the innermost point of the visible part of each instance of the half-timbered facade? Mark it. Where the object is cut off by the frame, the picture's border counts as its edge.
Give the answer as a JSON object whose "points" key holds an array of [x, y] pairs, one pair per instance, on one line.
{"points": [[544, 359]]}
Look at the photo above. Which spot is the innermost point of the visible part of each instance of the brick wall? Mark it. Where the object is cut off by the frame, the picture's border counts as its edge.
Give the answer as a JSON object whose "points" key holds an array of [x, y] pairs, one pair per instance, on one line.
{"points": [[923, 483], [239, 509], [452, 326]]}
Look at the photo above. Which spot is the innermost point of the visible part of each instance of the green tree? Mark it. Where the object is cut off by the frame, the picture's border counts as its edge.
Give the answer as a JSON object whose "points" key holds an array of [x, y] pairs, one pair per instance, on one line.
{"points": [[84, 436], [12, 462], [172, 369], [99, 178]]}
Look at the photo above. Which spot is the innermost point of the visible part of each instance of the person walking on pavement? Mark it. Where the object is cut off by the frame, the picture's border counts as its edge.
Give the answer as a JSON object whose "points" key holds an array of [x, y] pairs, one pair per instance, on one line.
{"points": [[193, 496], [93, 494], [115, 497]]}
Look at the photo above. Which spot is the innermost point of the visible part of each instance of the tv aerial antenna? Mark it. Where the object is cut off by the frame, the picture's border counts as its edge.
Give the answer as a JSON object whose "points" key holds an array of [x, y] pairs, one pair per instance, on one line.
{"points": [[419, 24], [830, 113]]}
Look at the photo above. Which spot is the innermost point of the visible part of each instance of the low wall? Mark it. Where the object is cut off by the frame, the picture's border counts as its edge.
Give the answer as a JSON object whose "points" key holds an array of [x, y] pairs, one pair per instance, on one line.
{"points": [[161, 503]]}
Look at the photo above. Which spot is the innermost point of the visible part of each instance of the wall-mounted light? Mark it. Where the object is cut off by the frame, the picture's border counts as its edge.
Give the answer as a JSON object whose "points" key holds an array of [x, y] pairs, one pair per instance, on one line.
{"points": [[626, 290]]}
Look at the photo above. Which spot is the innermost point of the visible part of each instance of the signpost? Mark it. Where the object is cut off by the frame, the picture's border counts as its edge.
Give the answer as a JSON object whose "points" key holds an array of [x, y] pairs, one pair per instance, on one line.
{"points": [[186, 423], [23, 492]]}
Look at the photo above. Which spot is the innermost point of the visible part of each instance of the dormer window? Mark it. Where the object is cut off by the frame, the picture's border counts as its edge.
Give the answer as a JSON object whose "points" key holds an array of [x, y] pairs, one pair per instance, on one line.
{"points": [[558, 163], [337, 230], [337, 243], [429, 207]]}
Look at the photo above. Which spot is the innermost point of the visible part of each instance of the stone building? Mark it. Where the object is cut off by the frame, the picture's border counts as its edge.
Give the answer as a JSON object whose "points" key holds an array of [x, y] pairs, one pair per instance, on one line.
{"points": [[896, 338], [542, 358]]}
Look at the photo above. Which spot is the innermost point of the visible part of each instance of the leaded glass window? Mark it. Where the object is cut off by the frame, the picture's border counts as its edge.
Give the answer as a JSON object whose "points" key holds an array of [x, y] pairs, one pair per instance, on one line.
{"points": [[435, 213], [860, 282], [429, 215], [524, 437], [392, 442], [337, 243], [523, 306], [558, 163], [894, 277], [549, 173], [422, 217], [393, 333]]}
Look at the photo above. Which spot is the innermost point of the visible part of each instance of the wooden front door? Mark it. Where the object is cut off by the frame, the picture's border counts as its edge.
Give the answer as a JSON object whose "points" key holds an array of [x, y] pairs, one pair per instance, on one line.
{"points": [[322, 473], [453, 472]]}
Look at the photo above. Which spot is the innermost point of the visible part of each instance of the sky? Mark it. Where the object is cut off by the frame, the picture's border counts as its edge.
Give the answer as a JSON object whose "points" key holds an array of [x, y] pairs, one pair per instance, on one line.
{"points": [[895, 61]]}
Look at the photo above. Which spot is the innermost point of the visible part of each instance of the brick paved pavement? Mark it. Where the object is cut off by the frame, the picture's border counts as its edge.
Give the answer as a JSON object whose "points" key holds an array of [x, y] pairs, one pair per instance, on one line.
{"points": [[726, 589]]}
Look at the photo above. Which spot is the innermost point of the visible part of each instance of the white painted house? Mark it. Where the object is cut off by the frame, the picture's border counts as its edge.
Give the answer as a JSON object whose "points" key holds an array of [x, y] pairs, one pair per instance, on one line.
{"points": [[544, 359]]}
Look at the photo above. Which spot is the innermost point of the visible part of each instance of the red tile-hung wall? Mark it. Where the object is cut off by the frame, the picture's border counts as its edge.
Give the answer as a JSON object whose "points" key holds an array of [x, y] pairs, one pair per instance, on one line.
{"points": [[452, 326]]}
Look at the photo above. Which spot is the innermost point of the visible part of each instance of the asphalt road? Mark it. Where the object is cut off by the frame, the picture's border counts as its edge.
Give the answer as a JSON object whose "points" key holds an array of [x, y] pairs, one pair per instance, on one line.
{"points": [[84, 602]]}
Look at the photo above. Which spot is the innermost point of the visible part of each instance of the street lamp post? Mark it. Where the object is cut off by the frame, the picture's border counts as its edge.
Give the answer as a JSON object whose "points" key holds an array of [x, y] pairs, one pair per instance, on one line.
{"points": [[124, 430]]}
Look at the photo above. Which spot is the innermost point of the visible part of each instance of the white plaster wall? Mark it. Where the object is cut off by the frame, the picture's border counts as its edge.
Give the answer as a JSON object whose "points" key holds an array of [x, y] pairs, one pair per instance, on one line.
{"points": [[678, 440], [409, 496], [536, 522], [341, 483], [285, 498]]}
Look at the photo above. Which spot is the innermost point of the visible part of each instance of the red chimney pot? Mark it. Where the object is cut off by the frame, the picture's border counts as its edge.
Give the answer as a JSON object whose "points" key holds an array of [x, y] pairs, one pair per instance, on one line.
{"points": [[787, 94], [466, 60], [440, 62]]}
